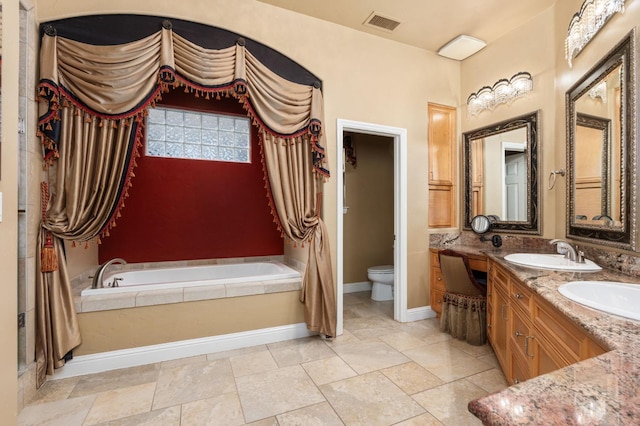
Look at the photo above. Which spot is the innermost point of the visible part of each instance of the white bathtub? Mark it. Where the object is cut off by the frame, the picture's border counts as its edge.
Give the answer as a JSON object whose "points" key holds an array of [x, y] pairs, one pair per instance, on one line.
{"points": [[192, 276]]}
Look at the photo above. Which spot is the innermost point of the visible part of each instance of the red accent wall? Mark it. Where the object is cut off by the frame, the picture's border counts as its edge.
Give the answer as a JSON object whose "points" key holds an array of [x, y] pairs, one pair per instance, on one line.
{"points": [[183, 209]]}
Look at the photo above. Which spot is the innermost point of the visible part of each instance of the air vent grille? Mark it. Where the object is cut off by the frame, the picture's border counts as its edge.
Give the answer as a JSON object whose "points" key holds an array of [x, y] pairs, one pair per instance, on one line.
{"points": [[382, 22]]}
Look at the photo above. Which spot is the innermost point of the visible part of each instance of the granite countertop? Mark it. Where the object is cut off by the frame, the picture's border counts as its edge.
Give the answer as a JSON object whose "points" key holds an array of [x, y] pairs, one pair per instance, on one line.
{"points": [[599, 391]]}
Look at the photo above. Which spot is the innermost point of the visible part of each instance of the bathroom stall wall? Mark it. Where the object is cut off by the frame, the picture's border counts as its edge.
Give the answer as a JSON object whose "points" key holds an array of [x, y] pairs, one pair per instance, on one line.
{"points": [[180, 209], [368, 223]]}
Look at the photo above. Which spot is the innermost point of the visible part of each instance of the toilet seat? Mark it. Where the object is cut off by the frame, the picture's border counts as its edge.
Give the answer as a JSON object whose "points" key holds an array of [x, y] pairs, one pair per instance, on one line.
{"points": [[383, 269]]}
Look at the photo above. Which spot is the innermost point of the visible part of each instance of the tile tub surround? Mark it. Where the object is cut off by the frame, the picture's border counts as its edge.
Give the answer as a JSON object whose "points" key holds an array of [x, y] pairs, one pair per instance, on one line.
{"points": [[600, 390], [104, 302]]}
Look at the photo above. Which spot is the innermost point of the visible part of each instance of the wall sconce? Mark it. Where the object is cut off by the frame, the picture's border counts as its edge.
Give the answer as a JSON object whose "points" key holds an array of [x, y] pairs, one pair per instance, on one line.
{"points": [[586, 23], [503, 91]]}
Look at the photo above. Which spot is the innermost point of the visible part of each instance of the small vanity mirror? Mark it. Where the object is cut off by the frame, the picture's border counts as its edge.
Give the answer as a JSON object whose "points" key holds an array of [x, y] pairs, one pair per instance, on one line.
{"points": [[601, 151], [508, 193]]}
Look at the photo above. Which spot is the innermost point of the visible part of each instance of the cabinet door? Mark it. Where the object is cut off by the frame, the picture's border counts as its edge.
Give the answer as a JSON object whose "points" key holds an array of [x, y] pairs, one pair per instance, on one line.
{"points": [[441, 146], [499, 325]]}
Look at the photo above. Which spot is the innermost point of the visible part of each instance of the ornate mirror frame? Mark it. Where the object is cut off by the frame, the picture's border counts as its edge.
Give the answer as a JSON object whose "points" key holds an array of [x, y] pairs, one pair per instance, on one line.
{"points": [[533, 223], [623, 236]]}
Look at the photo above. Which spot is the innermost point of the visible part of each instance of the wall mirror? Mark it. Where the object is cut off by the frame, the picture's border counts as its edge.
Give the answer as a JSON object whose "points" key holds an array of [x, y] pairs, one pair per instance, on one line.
{"points": [[601, 151], [507, 194]]}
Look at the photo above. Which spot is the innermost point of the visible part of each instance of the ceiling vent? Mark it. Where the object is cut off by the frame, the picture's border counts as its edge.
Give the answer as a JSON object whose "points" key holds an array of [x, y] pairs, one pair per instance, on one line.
{"points": [[381, 22]]}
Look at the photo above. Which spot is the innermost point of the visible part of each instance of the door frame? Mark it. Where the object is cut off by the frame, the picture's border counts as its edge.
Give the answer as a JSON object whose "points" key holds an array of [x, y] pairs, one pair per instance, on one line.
{"points": [[399, 136]]}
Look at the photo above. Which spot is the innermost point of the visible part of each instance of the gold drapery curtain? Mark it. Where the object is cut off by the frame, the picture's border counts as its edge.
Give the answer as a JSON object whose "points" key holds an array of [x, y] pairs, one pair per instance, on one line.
{"points": [[93, 100]]}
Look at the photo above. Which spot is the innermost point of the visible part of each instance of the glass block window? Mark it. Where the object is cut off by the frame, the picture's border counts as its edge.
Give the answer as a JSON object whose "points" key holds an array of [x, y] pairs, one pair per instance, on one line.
{"points": [[176, 133]]}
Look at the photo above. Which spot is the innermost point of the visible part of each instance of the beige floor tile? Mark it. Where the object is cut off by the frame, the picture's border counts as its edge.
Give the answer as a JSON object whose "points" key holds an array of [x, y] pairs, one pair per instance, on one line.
{"points": [[491, 380], [370, 399], [368, 356], [328, 370], [120, 403], [55, 390], [163, 417], [252, 363], [275, 392], [315, 415], [490, 359], [425, 419], [271, 421], [67, 412], [379, 322], [402, 341], [345, 338], [221, 410], [294, 352], [235, 352], [412, 378], [193, 382], [372, 333], [115, 379], [472, 350], [446, 362], [448, 403], [183, 361]]}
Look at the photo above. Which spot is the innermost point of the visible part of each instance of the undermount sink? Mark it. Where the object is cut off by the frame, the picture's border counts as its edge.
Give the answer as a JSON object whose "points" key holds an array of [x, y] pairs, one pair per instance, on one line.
{"points": [[616, 298], [556, 262]]}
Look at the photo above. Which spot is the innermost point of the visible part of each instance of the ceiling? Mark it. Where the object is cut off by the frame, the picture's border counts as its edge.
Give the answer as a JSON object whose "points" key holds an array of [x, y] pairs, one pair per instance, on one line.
{"points": [[428, 24]]}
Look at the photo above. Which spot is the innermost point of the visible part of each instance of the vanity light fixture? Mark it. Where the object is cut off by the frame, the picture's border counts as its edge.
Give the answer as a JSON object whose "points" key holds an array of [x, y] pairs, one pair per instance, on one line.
{"points": [[586, 23], [503, 92]]}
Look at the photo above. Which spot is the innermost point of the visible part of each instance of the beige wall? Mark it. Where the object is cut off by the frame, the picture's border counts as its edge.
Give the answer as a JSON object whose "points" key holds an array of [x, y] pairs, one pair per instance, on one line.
{"points": [[368, 224], [150, 325], [9, 224], [365, 78]]}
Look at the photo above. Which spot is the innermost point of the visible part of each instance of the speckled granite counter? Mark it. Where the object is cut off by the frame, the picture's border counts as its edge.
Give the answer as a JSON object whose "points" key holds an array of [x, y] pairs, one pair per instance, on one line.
{"points": [[599, 391]]}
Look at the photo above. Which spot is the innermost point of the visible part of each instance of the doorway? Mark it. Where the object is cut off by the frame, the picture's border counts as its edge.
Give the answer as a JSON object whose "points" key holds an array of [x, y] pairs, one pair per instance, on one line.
{"points": [[399, 137]]}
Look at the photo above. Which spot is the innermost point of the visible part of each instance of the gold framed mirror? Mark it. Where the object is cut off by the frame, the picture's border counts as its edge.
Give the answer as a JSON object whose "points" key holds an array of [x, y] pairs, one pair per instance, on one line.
{"points": [[508, 194], [602, 151]]}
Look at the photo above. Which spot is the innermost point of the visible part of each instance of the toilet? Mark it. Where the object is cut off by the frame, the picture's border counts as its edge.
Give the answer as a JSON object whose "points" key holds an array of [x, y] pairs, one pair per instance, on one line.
{"points": [[382, 279]]}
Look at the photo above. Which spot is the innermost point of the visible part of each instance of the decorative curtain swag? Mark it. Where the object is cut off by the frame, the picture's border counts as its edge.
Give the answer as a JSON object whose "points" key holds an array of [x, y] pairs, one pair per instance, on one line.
{"points": [[92, 103]]}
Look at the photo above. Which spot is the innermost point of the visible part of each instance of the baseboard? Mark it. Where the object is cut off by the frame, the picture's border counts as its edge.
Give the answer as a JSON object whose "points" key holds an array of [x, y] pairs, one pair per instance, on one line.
{"points": [[355, 287], [417, 314], [124, 358]]}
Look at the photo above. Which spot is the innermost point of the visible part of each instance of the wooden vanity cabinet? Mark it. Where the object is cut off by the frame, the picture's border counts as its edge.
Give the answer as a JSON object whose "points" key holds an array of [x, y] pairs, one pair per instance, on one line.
{"points": [[528, 335], [436, 279]]}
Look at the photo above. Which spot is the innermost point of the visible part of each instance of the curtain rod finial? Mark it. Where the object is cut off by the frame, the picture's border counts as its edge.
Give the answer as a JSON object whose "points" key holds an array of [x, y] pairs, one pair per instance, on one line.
{"points": [[167, 25], [316, 84], [241, 42], [50, 30]]}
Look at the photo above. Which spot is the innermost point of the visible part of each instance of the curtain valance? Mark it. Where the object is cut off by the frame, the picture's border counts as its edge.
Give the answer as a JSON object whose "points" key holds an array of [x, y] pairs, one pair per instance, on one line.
{"points": [[121, 81]]}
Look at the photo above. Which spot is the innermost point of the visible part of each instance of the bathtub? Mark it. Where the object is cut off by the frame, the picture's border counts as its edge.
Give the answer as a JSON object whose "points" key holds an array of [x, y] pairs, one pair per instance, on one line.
{"points": [[192, 276]]}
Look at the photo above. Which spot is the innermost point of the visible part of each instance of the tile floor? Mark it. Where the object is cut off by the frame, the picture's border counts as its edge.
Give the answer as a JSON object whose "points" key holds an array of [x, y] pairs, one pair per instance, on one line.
{"points": [[380, 372]]}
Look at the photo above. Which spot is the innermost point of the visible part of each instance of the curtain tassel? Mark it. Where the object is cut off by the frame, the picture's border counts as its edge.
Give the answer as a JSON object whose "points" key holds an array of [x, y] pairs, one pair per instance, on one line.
{"points": [[48, 256]]}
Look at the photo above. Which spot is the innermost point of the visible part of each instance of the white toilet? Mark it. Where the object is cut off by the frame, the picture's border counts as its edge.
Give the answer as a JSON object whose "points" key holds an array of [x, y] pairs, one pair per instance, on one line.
{"points": [[382, 279]]}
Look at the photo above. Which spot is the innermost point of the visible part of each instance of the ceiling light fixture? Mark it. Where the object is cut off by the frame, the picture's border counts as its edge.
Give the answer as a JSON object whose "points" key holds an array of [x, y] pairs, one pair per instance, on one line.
{"points": [[503, 91], [586, 23], [461, 47]]}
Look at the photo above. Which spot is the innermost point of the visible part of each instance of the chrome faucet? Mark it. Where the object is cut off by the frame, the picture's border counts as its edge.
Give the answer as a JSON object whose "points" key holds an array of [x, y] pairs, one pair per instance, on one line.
{"points": [[564, 247], [97, 278]]}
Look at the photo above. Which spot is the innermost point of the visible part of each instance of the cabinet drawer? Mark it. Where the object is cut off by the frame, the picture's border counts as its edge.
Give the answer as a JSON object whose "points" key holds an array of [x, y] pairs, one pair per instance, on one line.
{"points": [[499, 277], [521, 296], [437, 298], [438, 280], [520, 334], [567, 338], [435, 259], [519, 370]]}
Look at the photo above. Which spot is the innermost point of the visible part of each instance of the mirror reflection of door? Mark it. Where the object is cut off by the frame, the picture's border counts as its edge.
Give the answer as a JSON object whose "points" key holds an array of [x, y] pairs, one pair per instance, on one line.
{"points": [[499, 175], [515, 178]]}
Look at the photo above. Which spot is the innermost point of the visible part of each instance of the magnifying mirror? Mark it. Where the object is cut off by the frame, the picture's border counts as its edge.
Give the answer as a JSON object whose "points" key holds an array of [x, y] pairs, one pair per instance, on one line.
{"points": [[481, 224]]}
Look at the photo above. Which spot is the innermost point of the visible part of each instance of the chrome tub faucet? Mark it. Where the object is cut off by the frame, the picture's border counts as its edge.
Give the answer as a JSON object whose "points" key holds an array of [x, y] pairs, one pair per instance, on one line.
{"points": [[97, 278]]}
